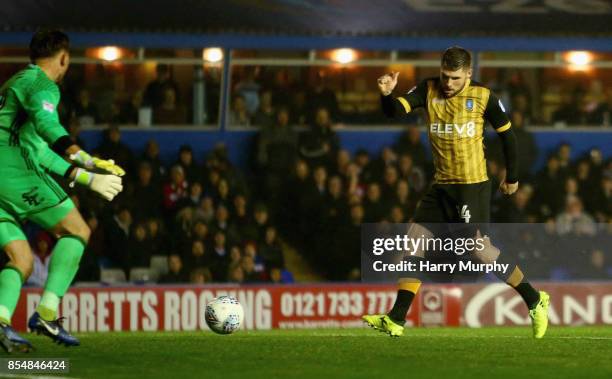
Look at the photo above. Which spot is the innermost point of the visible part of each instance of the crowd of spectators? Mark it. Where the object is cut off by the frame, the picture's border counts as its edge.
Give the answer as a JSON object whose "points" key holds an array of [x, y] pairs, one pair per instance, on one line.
{"points": [[258, 93], [217, 222]]}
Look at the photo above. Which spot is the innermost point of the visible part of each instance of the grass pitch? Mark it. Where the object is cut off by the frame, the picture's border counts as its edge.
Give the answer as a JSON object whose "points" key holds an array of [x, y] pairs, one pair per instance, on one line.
{"points": [[339, 353]]}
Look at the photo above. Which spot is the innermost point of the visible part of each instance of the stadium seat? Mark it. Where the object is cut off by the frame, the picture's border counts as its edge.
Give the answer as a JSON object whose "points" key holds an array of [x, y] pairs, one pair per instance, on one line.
{"points": [[112, 275], [141, 274], [158, 266]]}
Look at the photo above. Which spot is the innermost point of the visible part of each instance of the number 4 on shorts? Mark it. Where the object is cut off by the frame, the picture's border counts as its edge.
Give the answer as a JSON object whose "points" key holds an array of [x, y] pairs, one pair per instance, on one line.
{"points": [[465, 213]]}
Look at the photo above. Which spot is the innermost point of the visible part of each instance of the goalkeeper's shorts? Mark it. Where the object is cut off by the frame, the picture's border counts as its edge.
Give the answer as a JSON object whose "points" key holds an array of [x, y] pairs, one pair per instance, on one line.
{"points": [[27, 192]]}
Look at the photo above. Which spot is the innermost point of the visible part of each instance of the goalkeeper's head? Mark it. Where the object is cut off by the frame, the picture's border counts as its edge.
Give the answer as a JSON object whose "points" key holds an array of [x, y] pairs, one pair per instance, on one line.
{"points": [[50, 48]]}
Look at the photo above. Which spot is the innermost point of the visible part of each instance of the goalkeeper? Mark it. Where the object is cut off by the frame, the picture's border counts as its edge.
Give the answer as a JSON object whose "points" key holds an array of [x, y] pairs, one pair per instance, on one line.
{"points": [[31, 144]]}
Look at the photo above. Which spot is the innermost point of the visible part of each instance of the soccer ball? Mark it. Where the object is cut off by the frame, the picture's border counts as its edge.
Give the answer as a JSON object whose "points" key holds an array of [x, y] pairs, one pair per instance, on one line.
{"points": [[224, 315]]}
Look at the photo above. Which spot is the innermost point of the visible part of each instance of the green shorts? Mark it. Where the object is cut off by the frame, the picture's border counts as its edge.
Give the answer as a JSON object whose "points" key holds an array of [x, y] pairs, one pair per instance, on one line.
{"points": [[29, 193]]}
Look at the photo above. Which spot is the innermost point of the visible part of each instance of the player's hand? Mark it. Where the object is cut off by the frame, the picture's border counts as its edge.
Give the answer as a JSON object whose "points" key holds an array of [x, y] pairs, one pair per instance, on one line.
{"points": [[83, 159], [108, 186], [387, 83], [107, 166], [508, 188]]}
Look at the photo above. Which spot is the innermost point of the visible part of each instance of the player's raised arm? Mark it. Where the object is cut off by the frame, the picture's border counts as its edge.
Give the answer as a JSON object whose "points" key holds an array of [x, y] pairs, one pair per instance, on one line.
{"points": [[394, 106], [496, 115]]}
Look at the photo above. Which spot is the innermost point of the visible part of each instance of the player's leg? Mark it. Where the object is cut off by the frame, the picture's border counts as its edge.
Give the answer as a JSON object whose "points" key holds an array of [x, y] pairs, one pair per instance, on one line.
{"points": [[429, 210], [393, 322], [12, 277], [68, 225], [477, 198]]}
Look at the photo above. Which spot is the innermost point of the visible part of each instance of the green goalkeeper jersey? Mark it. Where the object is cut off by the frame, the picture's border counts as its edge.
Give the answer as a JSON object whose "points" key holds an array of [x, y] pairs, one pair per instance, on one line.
{"points": [[29, 118]]}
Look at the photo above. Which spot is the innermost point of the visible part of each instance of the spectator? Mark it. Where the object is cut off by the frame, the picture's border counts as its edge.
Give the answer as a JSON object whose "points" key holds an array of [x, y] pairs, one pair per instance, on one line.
{"points": [[374, 206], [139, 248], [176, 272], [96, 253], [190, 167], [396, 215], [241, 216], [154, 93], [200, 275], [151, 155], [175, 189], [280, 276], [346, 249], [549, 183], [222, 223], [516, 209], [262, 221], [235, 274], [219, 262], [206, 210], [527, 149], [264, 117], [223, 192], [319, 145], [129, 112], [248, 89], [410, 143], [574, 220], [404, 200], [239, 114], [157, 236], [271, 250], [74, 130], [335, 206], [572, 109], [603, 198], [564, 154], [144, 196], [117, 237], [193, 198], [112, 148], [596, 268], [276, 153], [43, 245], [319, 97], [248, 268], [197, 256], [85, 111], [389, 184], [169, 112]]}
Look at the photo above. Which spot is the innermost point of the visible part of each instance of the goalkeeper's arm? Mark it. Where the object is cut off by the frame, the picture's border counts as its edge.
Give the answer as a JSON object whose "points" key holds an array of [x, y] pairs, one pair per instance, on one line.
{"points": [[108, 186], [83, 159], [65, 145]]}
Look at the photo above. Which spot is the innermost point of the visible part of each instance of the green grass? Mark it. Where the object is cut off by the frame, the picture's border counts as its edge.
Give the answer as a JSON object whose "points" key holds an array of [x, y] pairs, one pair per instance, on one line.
{"points": [[341, 353]]}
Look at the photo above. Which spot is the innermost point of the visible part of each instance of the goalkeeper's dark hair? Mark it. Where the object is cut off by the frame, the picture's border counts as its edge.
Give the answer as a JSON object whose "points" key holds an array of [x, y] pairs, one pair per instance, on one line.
{"points": [[456, 58], [47, 43]]}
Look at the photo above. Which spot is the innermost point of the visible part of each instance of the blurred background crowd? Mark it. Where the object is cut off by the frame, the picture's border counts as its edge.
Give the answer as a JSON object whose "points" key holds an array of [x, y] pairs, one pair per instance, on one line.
{"points": [[304, 196]]}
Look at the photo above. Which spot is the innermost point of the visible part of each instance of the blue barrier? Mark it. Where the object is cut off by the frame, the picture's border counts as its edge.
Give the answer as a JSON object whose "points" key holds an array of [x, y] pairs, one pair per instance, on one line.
{"points": [[240, 142]]}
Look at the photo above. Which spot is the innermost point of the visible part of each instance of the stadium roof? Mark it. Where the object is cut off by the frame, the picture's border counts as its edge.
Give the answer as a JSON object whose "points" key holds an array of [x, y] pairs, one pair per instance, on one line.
{"points": [[323, 19]]}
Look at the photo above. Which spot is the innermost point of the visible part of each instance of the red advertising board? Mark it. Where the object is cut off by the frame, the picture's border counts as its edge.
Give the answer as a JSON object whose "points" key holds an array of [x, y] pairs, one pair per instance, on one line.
{"points": [[171, 308]]}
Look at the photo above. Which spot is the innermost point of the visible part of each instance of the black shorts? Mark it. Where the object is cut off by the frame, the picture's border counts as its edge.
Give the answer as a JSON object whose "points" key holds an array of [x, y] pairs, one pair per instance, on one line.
{"points": [[457, 211], [455, 203]]}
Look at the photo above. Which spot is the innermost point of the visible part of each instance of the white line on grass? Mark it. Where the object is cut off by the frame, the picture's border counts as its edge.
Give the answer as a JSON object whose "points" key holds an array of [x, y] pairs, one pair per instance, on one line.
{"points": [[19, 376]]}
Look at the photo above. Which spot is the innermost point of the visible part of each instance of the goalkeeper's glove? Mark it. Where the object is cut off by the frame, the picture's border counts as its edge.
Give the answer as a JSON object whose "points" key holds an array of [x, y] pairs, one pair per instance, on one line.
{"points": [[108, 186], [96, 164]]}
